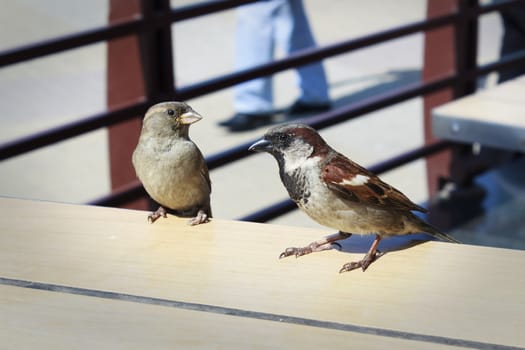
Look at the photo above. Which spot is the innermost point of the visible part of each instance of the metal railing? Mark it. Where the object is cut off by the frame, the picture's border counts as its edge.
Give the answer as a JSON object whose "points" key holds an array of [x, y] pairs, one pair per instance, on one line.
{"points": [[158, 18]]}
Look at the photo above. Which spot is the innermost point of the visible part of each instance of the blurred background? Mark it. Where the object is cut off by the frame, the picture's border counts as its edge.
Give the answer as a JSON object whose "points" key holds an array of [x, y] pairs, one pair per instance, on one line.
{"points": [[46, 92]]}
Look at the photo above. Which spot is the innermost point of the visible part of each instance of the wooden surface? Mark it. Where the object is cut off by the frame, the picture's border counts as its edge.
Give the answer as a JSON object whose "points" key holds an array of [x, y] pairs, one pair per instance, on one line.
{"points": [[76, 276], [492, 117]]}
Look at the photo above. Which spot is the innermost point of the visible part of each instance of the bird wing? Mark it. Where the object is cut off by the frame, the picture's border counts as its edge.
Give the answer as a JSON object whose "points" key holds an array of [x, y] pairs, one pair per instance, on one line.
{"points": [[206, 175], [351, 182]]}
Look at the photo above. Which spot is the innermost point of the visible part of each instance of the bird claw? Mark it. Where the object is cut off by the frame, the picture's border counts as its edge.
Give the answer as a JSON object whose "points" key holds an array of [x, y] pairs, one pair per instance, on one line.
{"points": [[363, 264], [351, 266], [161, 212], [317, 246], [295, 251], [201, 218]]}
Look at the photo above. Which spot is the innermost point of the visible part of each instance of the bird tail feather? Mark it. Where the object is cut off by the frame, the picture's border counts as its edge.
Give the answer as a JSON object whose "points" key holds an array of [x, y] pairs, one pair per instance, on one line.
{"points": [[433, 231]]}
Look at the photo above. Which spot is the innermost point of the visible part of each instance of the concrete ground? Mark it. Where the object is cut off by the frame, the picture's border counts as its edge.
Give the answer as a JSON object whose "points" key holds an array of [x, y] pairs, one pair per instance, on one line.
{"points": [[52, 90]]}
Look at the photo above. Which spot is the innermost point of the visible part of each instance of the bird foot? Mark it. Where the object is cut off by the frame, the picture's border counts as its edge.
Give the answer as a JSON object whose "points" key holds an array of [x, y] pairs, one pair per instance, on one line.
{"points": [[201, 218], [157, 214], [363, 264], [311, 248], [295, 251]]}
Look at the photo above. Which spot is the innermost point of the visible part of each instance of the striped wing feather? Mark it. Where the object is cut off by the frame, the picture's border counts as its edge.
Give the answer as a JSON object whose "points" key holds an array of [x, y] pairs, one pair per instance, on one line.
{"points": [[368, 189]]}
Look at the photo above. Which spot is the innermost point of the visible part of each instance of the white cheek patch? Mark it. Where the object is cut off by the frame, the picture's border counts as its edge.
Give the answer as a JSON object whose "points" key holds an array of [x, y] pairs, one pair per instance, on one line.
{"points": [[357, 180], [299, 156], [292, 163]]}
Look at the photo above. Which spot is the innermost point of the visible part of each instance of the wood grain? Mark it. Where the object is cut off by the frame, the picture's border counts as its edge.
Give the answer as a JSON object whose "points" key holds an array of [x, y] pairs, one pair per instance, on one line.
{"points": [[435, 289]]}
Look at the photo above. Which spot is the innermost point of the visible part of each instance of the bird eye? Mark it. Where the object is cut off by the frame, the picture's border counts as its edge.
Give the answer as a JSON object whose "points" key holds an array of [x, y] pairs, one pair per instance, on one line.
{"points": [[171, 112], [284, 137]]}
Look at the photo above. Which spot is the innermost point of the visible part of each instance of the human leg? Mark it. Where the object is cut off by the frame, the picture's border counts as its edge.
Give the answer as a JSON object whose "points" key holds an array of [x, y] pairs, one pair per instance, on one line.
{"points": [[295, 34], [254, 45]]}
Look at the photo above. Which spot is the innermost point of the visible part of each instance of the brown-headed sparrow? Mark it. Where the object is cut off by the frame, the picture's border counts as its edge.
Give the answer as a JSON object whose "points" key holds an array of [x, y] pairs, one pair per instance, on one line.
{"points": [[338, 193], [170, 166]]}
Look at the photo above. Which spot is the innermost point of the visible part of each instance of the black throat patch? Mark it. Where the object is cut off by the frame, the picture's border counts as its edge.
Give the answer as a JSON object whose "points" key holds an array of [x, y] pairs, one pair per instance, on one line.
{"points": [[296, 184]]}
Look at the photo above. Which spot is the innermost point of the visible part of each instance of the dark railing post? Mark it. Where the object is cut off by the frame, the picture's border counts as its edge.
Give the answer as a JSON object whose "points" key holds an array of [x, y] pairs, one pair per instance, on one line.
{"points": [[463, 167], [156, 53], [463, 197], [138, 67], [439, 61], [125, 85], [466, 42]]}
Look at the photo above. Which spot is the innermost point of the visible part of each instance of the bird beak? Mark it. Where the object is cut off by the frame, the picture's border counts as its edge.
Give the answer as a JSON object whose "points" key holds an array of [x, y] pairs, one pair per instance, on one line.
{"points": [[190, 117], [262, 145]]}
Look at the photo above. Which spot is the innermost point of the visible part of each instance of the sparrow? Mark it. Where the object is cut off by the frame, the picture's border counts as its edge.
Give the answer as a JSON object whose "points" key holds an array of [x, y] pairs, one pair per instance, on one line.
{"points": [[339, 193], [170, 166]]}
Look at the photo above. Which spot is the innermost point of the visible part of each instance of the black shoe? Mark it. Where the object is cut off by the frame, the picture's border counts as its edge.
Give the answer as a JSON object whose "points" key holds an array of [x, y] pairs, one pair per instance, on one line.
{"points": [[245, 122], [300, 107]]}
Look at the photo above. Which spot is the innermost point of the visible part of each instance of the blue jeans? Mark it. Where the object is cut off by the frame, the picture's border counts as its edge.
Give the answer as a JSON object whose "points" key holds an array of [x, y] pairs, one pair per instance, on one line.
{"points": [[260, 27]]}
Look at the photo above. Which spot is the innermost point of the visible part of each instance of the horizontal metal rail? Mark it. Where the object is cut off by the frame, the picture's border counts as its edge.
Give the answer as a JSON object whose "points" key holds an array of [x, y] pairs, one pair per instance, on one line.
{"points": [[205, 8], [100, 34], [311, 55], [41, 139], [66, 131], [509, 61], [67, 42], [123, 195], [137, 26], [63, 132]]}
